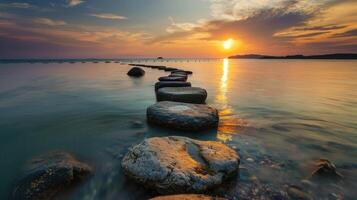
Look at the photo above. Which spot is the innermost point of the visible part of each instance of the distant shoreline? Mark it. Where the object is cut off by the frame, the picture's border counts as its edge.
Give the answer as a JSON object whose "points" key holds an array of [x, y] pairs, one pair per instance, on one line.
{"points": [[341, 56]]}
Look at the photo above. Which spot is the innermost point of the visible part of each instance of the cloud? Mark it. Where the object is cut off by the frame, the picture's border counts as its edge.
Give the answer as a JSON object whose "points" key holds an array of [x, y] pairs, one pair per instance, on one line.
{"points": [[73, 3], [108, 16], [350, 33], [49, 22]]}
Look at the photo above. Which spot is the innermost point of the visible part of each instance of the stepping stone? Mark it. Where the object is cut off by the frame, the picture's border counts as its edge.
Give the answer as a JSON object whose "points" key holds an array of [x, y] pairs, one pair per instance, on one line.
{"points": [[136, 72], [178, 75], [187, 197], [49, 175], [163, 84], [182, 94], [180, 165], [167, 78], [182, 71], [183, 116], [169, 69]]}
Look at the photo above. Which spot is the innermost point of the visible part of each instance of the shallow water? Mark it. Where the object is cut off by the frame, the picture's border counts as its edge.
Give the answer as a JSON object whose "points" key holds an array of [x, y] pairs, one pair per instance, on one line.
{"points": [[280, 115]]}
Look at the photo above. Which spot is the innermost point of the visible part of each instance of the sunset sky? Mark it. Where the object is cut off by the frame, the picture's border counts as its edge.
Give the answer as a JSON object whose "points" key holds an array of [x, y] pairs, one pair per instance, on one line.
{"points": [[175, 28]]}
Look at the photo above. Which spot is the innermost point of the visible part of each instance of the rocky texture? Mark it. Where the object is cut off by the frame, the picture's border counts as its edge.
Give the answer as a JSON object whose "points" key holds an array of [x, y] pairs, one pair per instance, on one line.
{"points": [[182, 94], [49, 175], [183, 116], [178, 75], [164, 84], [167, 78], [170, 69], [187, 197], [325, 170], [295, 192], [180, 165], [136, 72]]}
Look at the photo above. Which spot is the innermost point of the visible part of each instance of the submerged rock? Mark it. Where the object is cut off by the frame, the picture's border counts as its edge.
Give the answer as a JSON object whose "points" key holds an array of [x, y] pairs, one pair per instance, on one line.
{"points": [[168, 78], [49, 175], [136, 72], [182, 94], [325, 170], [163, 84], [180, 165], [187, 197], [183, 116], [296, 193]]}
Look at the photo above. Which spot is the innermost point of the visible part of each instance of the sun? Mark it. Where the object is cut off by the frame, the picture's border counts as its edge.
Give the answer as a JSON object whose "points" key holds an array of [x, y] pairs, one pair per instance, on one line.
{"points": [[228, 44]]}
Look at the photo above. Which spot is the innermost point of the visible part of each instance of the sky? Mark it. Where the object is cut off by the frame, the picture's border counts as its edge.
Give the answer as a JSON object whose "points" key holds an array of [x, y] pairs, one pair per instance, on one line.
{"points": [[175, 28]]}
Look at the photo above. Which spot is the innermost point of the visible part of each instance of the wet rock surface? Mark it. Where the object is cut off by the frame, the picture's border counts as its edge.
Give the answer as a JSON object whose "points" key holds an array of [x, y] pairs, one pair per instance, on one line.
{"points": [[183, 116], [163, 84], [48, 175], [201, 165], [325, 171], [170, 69], [187, 197], [136, 72], [182, 94], [168, 78]]}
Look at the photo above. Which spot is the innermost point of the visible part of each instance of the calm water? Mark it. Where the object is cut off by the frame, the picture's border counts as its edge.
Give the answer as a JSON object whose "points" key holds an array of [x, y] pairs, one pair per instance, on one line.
{"points": [[280, 115]]}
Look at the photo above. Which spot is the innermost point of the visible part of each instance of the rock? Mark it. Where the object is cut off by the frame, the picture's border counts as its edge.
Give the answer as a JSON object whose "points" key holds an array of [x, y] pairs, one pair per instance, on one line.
{"points": [[169, 69], [183, 116], [325, 170], [164, 84], [182, 94], [178, 75], [167, 78], [180, 165], [49, 175], [161, 67], [137, 124], [136, 72], [296, 193], [187, 197], [184, 71]]}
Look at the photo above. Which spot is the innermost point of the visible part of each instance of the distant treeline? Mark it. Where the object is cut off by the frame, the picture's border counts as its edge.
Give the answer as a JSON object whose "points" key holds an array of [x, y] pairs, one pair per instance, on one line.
{"points": [[325, 56]]}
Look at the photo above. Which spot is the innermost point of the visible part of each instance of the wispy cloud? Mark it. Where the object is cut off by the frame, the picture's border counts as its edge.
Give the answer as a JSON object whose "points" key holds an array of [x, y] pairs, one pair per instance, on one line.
{"points": [[73, 3], [49, 22], [108, 16]]}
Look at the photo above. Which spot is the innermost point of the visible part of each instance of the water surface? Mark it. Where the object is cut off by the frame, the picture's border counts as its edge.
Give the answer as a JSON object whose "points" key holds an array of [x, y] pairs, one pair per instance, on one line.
{"points": [[280, 115]]}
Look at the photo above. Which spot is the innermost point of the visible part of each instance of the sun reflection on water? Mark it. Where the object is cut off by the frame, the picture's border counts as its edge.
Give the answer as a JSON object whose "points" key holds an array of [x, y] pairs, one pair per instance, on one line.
{"points": [[222, 96], [229, 123]]}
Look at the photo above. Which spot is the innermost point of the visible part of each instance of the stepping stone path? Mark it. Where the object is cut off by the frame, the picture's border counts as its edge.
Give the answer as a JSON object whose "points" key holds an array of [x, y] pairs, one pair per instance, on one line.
{"points": [[136, 72], [180, 165], [168, 78], [183, 116], [163, 84], [182, 94], [49, 175], [187, 197]]}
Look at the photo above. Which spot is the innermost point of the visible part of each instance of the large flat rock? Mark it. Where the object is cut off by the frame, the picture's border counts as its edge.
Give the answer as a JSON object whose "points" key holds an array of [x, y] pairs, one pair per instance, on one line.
{"points": [[49, 175], [183, 116], [163, 84], [180, 165], [187, 197], [182, 94]]}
